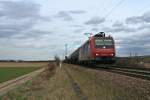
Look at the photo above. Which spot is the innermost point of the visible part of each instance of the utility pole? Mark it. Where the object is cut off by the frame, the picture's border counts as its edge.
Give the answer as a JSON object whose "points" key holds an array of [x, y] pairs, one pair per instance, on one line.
{"points": [[130, 55], [136, 55], [66, 50]]}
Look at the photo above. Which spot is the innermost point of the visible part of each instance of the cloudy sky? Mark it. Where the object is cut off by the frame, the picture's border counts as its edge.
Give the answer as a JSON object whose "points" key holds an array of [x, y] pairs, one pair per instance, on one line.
{"points": [[39, 29]]}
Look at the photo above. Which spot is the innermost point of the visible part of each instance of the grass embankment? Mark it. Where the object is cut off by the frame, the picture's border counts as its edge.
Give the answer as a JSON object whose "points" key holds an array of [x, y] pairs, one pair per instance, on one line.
{"points": [[8, 73], [101, 85]]}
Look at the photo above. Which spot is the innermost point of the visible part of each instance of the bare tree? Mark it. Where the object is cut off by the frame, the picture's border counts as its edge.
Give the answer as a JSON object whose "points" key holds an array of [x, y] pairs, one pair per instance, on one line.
{"points": [[57, 60]]}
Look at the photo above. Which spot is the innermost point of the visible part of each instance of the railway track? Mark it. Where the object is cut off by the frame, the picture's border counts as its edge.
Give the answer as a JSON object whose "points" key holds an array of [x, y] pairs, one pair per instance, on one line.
{"points": [[129, 71]]}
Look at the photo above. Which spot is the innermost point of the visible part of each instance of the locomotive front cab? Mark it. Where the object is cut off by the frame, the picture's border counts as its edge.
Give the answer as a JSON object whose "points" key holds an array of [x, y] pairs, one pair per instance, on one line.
{"points": [[103, 48]]}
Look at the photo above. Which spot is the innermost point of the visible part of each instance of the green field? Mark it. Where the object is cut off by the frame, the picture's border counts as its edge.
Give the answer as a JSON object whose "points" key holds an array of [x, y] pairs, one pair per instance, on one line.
{"points": [[7, 73]]}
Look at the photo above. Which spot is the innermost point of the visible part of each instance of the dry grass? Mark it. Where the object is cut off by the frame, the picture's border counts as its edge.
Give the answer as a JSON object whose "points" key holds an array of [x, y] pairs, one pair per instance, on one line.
{"points": [[52, 84], [147, 65], [101, 85], [23, 64]]}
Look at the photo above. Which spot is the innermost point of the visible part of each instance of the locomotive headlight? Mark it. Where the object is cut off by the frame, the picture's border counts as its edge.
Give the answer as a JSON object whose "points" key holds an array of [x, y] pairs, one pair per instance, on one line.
{"points": [[97, 54], [112, 54]]}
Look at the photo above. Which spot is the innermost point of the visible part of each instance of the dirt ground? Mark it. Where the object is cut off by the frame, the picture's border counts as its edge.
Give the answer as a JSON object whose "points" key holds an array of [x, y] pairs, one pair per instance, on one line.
{"points": [[72, 82], [147, 65]]}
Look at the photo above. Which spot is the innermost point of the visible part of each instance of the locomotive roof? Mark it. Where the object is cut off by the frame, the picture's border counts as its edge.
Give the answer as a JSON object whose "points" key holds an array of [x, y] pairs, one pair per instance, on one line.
{"points": [[101, 35], [108, 37]]}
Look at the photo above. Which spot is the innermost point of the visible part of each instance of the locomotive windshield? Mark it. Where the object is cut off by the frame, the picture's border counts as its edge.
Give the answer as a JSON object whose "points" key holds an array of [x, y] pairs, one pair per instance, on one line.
{"points": [[108, 42], [99, 42], [103, 42]]}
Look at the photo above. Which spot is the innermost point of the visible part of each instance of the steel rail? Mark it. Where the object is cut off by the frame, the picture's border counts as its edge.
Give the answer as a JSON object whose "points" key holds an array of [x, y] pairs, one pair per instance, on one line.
{"points": [[128, 71]]}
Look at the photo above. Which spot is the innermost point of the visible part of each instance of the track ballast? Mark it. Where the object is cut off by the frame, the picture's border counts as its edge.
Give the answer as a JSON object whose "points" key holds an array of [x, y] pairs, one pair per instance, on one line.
{"points": [[142, 73]]}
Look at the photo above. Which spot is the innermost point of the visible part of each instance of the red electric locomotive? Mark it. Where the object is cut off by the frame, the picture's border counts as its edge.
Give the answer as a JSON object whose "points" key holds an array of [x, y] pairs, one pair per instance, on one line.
{"points": [[98, 49]]}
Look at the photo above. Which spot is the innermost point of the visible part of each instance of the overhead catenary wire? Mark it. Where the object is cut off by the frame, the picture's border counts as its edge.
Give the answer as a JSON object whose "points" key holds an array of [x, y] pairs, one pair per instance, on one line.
{"points": [[143, 9], [111, 10], [105, 4]]}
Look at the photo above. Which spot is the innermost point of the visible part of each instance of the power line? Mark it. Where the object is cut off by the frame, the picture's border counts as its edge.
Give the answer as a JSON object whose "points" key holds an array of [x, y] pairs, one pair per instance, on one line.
{"points": [[118, 4], [146, 6], [104, 3]]}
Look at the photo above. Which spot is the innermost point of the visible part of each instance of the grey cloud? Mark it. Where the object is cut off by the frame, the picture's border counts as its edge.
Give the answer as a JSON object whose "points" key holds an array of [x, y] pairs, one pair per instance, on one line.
{"points": [[10, 29], [77, 11], [119, 29], [19, 10], [95, 21], [30, 40], [80, 30], [117, 24], [139, 40], [133, 20], [18, 17], [145, 18], [135, 44], [67, 15], [144, 26], [95, 29], [64, 15], [7, 33], [34, 34], [76, 26], [125, 51]]}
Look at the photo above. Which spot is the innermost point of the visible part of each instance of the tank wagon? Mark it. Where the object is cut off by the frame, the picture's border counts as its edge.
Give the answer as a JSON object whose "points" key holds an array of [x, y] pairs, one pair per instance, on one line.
{"points": [[97, 49]]}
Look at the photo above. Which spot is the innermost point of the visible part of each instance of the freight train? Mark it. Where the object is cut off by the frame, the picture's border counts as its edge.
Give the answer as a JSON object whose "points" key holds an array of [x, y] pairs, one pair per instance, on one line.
{"points": [[97, 49]]}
